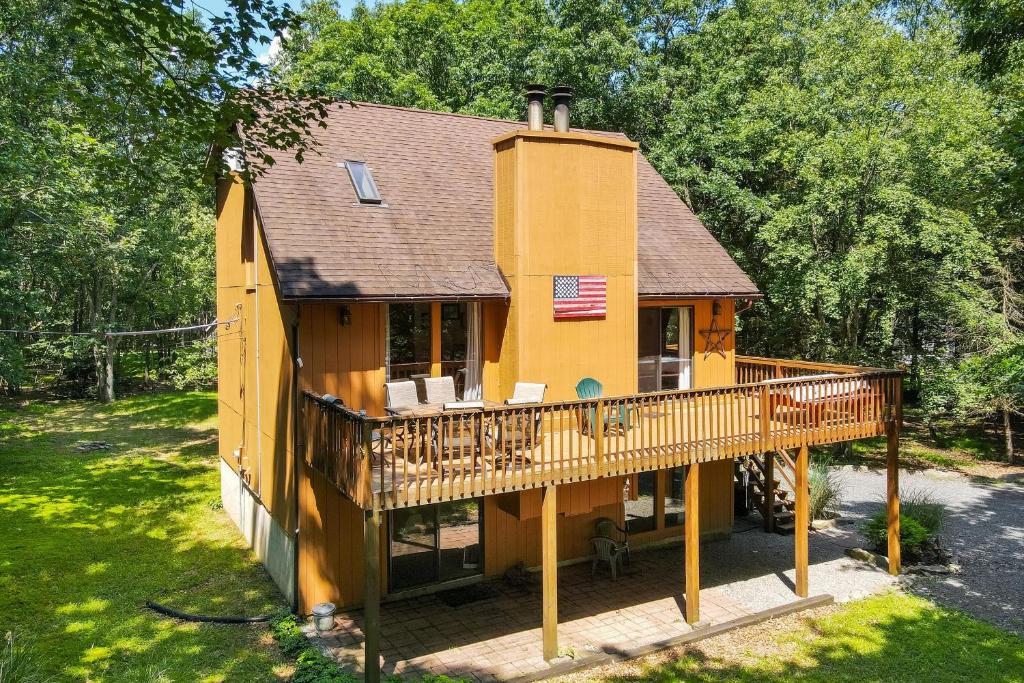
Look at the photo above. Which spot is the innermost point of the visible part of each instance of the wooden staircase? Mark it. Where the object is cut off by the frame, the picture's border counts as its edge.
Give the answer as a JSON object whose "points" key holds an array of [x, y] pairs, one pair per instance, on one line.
{"points": [[775, 501]]}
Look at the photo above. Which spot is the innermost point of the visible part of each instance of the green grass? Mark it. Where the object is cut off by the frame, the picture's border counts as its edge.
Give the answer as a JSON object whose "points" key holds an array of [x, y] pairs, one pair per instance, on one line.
{"points": [[86, 538], [887, 638]]}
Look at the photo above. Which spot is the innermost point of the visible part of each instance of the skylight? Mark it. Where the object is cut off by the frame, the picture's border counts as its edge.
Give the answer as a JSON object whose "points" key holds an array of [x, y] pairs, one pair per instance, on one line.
{"points": [[362, 181]]}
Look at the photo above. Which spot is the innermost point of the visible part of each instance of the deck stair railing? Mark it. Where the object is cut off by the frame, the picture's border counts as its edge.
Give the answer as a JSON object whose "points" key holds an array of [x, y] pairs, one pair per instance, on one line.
{"points": [[773, 489], [392, 462]]}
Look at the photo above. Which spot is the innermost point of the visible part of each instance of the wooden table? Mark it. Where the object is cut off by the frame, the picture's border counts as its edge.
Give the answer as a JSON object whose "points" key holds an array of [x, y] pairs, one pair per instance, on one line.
{"points": [[434, 409]]}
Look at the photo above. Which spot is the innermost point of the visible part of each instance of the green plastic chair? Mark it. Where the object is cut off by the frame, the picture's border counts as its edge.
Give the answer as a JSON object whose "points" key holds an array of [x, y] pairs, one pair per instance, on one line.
{"points": [[588, 387]]}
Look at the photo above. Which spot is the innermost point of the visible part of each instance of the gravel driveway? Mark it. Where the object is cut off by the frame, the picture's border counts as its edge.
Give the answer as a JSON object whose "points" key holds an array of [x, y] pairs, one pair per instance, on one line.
{"points": [[984, 529]]}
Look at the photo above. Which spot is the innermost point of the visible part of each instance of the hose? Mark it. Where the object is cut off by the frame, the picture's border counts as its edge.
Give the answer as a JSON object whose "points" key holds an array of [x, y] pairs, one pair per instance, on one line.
{"points": [[167, 611]]}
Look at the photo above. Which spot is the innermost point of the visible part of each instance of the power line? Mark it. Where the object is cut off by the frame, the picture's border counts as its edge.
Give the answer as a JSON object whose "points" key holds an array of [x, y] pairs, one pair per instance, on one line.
{"points": [[124, 333]]}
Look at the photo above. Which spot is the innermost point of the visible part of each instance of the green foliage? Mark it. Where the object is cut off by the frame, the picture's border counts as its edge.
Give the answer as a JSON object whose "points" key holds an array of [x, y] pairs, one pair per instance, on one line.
{"points": [[826, 490], [921, 519], [311, 665]]}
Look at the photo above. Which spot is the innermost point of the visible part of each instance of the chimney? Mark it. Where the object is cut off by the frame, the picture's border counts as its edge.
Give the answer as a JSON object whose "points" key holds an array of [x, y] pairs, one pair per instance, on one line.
{"points": [[562, 96], [535, 94]]}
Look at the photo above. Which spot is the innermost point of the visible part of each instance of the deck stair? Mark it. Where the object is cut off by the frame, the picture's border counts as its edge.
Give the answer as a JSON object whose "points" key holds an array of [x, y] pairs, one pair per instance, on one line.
{"points": [[776, 502]]}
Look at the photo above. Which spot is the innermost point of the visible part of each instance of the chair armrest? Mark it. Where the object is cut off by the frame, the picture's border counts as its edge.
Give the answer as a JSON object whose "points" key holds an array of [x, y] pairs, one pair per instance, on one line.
{"points": [[518, 401]]}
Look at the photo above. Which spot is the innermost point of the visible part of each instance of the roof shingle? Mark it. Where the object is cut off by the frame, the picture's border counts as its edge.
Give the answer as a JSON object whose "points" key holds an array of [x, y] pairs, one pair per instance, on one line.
{"points": [[433, 237]]}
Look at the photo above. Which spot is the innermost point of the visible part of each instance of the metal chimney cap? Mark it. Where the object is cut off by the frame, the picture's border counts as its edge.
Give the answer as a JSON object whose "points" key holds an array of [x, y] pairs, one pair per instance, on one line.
{"points": [[536, 89], [561, 91]]}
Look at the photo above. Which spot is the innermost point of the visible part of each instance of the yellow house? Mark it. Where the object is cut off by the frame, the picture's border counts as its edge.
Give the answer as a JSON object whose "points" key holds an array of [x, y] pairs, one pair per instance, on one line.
{"points": [[467, 344]]}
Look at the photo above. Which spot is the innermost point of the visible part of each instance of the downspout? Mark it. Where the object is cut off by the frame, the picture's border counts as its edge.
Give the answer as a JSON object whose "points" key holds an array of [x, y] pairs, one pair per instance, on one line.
{"points": [[297, 447]]}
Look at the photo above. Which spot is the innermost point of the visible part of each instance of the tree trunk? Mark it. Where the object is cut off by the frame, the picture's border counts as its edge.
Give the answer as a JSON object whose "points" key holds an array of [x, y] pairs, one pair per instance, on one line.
{"points": [[1008, 435]]}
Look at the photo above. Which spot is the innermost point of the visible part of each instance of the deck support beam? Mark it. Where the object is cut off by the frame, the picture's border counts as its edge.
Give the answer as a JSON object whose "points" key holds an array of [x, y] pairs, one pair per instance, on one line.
{"points": [[802, 521], [371, 595], [691, 524], [892, 490], [549, 570]]}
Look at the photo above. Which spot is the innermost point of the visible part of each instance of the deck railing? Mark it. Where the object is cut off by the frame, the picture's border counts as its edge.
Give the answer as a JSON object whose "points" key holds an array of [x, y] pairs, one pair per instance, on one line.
{"points": [[402, 461]]}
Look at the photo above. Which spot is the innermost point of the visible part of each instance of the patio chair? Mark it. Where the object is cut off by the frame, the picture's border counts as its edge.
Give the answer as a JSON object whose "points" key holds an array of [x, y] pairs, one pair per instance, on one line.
{"points": [[440, 390], [606, 526], [398, 396], [616, 418], [606, 550], [517, 430]]}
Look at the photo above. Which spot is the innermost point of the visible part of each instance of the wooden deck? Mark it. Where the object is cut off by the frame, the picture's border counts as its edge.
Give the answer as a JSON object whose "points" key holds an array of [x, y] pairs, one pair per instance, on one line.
{"points": [[385, 463]]}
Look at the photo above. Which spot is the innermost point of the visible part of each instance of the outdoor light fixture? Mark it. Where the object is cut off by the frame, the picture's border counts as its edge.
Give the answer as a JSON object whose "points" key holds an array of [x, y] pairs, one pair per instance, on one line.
{"points": [[323, 616], [345, 316]]}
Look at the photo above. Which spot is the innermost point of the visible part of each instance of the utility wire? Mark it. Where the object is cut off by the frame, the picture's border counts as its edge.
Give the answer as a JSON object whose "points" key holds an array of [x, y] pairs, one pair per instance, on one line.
{"points": [[125, 333]]}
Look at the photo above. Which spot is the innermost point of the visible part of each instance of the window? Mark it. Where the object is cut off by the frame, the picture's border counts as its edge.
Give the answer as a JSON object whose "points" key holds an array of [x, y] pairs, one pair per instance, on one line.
{"points": [[640, 502], [362, 181], [408, 341], [675, 507]]}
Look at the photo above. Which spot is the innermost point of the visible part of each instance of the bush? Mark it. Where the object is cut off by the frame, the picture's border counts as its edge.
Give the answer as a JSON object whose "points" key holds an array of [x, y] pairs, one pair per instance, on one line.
{"points": [[921, 519], [826, 491]]}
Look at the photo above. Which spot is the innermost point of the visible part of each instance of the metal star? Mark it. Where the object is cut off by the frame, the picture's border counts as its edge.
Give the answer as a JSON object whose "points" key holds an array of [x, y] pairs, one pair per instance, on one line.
{"points": [[714, 338]]}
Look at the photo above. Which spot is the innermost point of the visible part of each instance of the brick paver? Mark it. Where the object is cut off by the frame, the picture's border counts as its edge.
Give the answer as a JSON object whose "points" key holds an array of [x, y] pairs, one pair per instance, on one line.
{"points": [[499, 638]]}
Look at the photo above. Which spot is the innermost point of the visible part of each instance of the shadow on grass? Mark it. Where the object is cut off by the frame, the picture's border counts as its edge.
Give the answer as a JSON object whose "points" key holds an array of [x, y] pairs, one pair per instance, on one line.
{"points": [[889, 638], [86, 538]]}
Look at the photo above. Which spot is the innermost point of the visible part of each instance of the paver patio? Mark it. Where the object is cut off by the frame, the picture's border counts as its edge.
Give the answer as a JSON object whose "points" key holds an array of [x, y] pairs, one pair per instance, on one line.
{"points": [[499, 637]]}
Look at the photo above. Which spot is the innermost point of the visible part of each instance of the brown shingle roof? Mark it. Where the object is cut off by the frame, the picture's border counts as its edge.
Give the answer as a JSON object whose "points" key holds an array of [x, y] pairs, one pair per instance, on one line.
{"points": [[434, 236]]}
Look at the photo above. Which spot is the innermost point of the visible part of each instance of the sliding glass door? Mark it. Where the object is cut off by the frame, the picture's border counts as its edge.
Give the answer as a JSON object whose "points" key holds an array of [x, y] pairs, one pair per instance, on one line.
{"points": [[408, 353], [416, 349], [435, 543], [665, 348]]}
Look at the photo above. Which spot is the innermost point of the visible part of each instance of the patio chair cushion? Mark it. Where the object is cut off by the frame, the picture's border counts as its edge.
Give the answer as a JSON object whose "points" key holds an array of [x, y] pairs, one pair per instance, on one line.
{"points": [[440, 390], [401, 395]]}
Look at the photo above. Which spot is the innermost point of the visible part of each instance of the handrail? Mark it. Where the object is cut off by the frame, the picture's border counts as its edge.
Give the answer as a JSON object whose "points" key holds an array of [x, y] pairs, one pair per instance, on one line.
{"points": [[398, 461]]}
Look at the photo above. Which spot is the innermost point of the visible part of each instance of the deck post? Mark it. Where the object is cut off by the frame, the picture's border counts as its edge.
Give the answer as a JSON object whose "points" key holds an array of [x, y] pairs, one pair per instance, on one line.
{"points": [[802, 521], [769, 491], [549, 569], [371, 595], [691, 522], [892, 488]]}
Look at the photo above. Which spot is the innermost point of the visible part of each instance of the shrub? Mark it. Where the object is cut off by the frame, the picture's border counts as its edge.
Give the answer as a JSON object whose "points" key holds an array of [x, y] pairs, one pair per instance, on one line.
{"points": [[921, 518], [913, 535], [826, 491]]}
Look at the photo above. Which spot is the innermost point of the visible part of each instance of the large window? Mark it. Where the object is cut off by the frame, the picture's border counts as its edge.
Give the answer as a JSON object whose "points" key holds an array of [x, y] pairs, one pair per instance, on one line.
{"points": [[434, 543], [640, 512], [665, 346], [408, 341]]}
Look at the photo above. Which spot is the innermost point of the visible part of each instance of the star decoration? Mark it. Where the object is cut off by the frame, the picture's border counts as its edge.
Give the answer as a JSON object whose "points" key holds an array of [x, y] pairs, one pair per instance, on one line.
{"points": [[714, 338]]}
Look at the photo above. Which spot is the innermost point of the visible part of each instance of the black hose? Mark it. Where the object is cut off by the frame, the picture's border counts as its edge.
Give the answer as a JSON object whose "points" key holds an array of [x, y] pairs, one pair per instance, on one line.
{"points": [[167, 611]]}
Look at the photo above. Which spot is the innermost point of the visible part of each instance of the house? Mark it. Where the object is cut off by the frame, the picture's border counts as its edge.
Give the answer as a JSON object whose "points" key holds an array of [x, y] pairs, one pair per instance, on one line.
{"points": [[420, 245]]}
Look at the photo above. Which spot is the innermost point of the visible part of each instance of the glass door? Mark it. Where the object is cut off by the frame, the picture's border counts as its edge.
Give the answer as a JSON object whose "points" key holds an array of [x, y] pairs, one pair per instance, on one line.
{"points": [[665, 348], [408, 352], [435, 543]]}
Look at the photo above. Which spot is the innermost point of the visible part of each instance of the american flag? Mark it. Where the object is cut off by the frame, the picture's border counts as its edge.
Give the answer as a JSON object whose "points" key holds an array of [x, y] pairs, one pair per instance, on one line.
{"points": [[580, 296]]}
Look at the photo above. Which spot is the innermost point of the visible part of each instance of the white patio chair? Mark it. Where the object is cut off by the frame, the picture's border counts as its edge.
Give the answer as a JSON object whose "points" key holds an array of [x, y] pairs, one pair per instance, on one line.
{"points": [[400, 396], [440, 390]]}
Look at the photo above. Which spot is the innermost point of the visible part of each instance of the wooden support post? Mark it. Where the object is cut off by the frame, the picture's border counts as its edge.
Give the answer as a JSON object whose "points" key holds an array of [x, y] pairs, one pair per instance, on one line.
{"points": [[769, 491], [802, 521], [691, 522], [371, 595], [892, 489], [549, 569]]}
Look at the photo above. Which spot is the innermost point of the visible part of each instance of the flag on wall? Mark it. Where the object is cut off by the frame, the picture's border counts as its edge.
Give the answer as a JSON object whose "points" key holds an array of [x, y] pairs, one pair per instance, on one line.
{"points": [[580, 296]]}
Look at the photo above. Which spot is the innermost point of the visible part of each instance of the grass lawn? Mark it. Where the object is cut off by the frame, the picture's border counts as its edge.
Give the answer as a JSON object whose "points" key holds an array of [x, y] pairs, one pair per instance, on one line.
{"points": [[86, 538], [892, 637]]}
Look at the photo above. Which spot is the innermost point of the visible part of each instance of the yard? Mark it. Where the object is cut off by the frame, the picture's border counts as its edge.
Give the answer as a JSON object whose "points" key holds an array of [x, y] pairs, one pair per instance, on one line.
{"points": [[87, 537]]}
